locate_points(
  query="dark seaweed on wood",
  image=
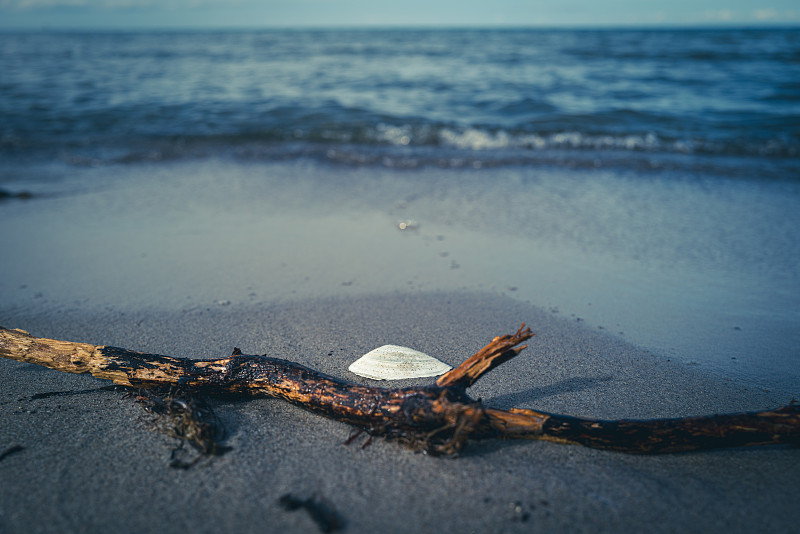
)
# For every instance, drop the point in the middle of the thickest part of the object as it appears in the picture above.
(439, 418)
(188, 418)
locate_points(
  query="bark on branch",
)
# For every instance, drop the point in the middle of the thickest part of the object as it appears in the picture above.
(439, 418)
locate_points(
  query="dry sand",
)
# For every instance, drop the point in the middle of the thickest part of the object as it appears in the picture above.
(89, 462)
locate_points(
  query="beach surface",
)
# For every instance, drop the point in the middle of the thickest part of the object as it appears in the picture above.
(649, 298)
(91, 462)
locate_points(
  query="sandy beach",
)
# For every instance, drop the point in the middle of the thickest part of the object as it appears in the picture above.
(90, 462)
(316, 270)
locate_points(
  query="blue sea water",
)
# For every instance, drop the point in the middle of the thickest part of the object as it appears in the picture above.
(725, 102)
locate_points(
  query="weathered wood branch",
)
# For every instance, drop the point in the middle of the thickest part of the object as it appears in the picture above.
(439, 418)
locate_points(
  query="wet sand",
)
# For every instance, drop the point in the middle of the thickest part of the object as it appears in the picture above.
(316, 270)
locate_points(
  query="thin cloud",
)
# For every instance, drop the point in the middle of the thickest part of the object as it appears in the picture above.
(23, 5)
(722, 15)
(765, 14)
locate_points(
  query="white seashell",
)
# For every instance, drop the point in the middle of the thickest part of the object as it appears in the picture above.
(392, 362)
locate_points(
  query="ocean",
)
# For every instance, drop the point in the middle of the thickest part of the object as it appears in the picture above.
(725, 102)
(646, 183)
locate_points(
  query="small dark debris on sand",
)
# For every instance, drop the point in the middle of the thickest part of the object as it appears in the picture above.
(22, 195)
(11, 450)
(322, 513)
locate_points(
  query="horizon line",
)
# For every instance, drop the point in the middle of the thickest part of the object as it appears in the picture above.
(422, 26)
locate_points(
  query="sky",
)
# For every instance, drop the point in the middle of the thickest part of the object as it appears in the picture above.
(121, 14)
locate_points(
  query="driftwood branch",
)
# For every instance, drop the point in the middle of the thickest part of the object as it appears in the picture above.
(439, 418)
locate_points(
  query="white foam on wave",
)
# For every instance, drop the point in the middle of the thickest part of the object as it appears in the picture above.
(477, 139)
(474, 139)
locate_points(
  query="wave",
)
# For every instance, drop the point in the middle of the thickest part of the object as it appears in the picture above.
(415, 136)
(525, 125)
